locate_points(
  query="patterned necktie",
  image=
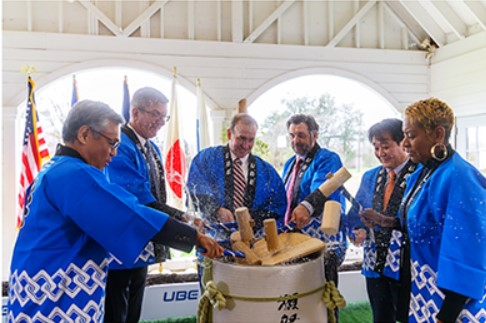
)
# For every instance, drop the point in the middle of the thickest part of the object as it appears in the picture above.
(389, 189)
(290, 188)
(154, 176)
(239, 184)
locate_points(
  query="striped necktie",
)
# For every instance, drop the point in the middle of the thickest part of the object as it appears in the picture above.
(239, 184)
(389, 189)
(290, 188)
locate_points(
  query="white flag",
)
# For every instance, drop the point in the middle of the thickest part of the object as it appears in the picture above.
(202, 128)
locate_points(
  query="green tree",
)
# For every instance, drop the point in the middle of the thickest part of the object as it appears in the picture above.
(340, 127)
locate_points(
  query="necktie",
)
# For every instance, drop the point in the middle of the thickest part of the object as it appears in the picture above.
(239, 184)
(290, 188)
(154, 176)
(389, 189)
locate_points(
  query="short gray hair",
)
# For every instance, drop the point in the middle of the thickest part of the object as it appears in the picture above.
(244, 118)
(147, 96)
(93, 114)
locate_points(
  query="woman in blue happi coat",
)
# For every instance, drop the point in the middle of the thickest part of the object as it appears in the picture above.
(445, 208)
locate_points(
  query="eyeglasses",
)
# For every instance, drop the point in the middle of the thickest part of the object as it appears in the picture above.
(156, 115)
(114, 143)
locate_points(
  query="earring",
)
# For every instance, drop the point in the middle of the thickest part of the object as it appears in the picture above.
(439, 152)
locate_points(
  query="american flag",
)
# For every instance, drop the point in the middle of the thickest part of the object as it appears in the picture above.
(34, 151)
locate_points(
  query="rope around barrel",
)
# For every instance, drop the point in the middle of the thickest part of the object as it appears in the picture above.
(331, 297)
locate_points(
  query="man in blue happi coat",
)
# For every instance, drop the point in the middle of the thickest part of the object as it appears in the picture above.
(138, 168)
(303, 173)
(215, 189)
(74, 218)
(382, 189)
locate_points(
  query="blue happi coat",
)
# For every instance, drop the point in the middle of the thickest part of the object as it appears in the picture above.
(61, 256)
(447, 230)
(129, 169)
(210, 183)
(370, 195)
(311, 175)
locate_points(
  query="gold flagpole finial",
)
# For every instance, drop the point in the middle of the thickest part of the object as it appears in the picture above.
(175, 71)
(28, 69)
(198, 82)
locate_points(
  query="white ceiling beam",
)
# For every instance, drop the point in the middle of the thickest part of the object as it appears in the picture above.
(357, 28)
(237, 21)
(250, 15)
(437, 10)
(425, 20)
(478, 12)
(100, 16)
(162, 22)
(351, 23)
(380, 17)
(305, 21)
(456, 24)
(191, 31)
(119, 13)
(403, 17)
(330, 20)
(60, 17)
(144, 25)
(405, 32)
(219, 23)
(149, 12)
(29, 15)
(269, 20)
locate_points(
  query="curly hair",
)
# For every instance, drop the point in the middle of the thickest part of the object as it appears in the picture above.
(431, 113)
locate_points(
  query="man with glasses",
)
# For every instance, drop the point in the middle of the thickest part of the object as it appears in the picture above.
(223, 178)
(303, 173)
(138, 168)
(69, 233)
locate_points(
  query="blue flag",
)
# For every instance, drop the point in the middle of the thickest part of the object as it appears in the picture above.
(126, 101)
(74, 96)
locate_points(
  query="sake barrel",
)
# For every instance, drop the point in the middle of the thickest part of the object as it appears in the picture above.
(261, 294)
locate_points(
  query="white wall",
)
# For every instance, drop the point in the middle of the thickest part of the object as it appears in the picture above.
(458, 76)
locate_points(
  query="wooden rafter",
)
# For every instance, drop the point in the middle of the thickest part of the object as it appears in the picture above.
(351, 23)
(269, 20)
(100, 16)
(144, 16)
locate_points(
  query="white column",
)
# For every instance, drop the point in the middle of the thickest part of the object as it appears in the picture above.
(9, 169)
(218, 120)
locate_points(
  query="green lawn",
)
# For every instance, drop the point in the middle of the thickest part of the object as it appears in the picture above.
(353, 313)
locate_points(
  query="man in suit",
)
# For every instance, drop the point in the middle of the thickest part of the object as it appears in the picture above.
(138, 168)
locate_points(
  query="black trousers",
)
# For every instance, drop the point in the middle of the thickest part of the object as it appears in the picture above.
(383, 293)
(124, 295)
